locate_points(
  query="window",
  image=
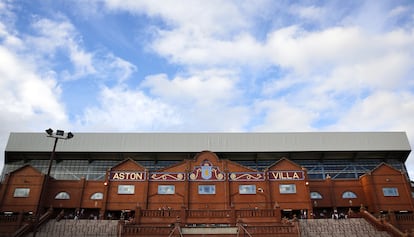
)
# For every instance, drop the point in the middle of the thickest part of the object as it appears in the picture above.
(287, 188)
(62, 196)
(206, 189)
(349, 194)
(126, 189)
(166, 189)
(97, 196)
(247, 189)
(315, 195)
(21, 192)
(390, 192)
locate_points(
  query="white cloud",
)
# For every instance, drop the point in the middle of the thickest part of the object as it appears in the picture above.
(128, 110)
(308, 12)
(192, 48)
(398, 10)
(201, 87)
(206, 100)
(382, 111)
(28, 102)
(26, 95)
(214, 16)
(201, 101)
(53, 37)
(283, 116)
(31, 83)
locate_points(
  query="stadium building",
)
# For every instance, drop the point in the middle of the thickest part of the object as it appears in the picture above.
(257, 184)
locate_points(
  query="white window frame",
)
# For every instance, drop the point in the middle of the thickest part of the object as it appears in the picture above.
(21, 192)
(97, 196)
(62, 196)
(166, 189)
(349, 195)
(316, 195)
(390, 192)
(126, 189)
(287, 188)
(247, 189)
(206, 189)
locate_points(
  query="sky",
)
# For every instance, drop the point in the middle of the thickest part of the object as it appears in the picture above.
(207, 66)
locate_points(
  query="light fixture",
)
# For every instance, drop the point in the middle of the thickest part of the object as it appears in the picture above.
(58, 135)
(70, 135)
(49, 131)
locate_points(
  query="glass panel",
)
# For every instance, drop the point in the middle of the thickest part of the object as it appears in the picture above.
(247, 189)
(287, 188)
(349, 194)
(315, 195)
(390, 192)
(97, 196)
(62, 195)
(206, 189)
(166, 189)
(21, 192)
(126, 189)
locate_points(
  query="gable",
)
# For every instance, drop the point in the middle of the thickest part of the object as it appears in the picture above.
(384, 168)
(26, 170)
(206, 155)
(284, 164)
(128, 164)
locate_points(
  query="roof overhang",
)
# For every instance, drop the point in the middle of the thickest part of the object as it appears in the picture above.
(381, 145)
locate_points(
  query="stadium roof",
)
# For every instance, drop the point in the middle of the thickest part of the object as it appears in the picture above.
(383, 144)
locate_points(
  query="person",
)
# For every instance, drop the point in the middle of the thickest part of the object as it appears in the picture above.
(335, 215)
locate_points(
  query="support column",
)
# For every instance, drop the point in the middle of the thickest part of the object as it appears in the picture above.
(137, 215)
(146, 188)
(105, 196)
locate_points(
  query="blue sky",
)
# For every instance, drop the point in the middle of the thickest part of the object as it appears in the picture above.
(206, 66)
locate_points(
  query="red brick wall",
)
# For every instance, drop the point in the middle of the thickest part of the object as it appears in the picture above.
(368, 190)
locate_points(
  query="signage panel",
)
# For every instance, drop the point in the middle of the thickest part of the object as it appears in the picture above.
(286, 175)
(127, 176)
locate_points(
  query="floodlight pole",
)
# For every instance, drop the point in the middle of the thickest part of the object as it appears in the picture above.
(46, 178)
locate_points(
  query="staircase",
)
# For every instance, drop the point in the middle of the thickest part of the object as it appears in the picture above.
(78, 228)
(357, 227)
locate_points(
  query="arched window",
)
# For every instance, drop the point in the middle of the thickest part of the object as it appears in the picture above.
(97, 196)
(62, 195)
(315, 195)
(349, 194)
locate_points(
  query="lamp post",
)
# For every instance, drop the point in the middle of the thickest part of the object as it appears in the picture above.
(59, 134)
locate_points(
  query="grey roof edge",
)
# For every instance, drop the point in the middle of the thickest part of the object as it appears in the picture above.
(216, 142)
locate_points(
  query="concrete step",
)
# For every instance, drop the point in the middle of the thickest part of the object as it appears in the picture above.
(79, 228)
(358, 227)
